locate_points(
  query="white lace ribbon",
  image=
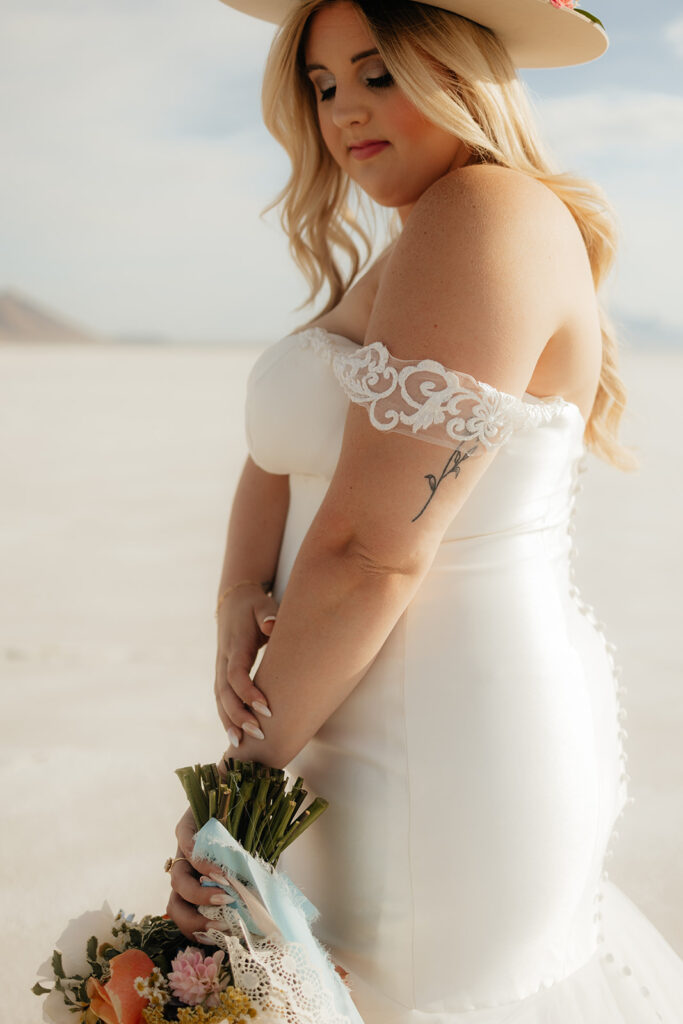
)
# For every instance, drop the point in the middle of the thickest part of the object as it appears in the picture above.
(277, 976)
(266, 932)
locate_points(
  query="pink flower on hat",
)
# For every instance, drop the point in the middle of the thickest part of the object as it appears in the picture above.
(563, 3)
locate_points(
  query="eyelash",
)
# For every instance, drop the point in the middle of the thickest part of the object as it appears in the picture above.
(381, 82)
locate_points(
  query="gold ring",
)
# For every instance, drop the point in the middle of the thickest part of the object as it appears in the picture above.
(171, 861)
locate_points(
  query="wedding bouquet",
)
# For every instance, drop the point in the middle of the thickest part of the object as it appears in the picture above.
(116, 970)
(266, 967)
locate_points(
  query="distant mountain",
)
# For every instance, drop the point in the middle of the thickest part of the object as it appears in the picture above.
(22, 319)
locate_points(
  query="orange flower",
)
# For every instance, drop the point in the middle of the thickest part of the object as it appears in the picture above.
(117, 1002)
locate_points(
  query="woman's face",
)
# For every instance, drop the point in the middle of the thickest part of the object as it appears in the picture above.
(370, 127)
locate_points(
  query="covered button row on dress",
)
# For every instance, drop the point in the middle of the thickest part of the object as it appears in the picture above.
(587, 610)
(625, 971)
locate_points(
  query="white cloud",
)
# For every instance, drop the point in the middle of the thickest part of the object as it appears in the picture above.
(673, 34)
(608, 120)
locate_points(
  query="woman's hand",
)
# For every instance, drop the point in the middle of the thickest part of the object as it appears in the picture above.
(188, 894)
(245, 621)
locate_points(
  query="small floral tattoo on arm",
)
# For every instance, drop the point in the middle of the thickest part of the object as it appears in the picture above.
(452, 467)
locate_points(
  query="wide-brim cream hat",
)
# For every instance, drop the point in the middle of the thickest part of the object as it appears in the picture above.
(536, 33)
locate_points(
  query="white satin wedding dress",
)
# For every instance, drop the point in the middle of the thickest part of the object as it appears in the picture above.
(476, 772)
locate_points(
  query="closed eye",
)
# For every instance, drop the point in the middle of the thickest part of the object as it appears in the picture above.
(379, 82)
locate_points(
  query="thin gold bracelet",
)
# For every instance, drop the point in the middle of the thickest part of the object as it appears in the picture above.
(229, 590)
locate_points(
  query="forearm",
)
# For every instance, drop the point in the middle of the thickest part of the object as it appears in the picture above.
(257, 522)
(334, 617)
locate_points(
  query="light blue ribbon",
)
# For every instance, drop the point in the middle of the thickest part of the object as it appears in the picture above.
(291, 912)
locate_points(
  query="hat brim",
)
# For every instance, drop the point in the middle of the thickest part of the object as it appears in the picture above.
(535, 33)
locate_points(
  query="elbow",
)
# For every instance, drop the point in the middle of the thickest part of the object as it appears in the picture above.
(367, 562)
(373, 552)
(372, 557)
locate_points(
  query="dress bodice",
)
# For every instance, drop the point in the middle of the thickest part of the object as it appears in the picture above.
(295, 414)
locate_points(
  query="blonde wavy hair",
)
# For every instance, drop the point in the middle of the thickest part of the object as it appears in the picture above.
(459, 75)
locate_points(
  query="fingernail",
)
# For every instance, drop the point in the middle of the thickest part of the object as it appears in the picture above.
(253, 730)
(220, 899)
(221, 879)
(233, 736)
(259, 706)
(269, 618)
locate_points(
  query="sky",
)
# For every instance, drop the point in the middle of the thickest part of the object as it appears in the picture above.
(135, 166)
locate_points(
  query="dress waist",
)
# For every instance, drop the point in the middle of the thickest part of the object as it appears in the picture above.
(538, 529)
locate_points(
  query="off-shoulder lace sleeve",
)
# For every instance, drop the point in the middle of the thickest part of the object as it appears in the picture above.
(425, 399)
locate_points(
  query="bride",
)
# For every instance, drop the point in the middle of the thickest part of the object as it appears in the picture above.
(401, 533)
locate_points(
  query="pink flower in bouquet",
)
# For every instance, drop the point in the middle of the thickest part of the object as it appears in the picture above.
(195, 978)
(117, 1002)
(563, 3)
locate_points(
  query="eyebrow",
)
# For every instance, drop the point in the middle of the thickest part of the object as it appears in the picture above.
(354, 60)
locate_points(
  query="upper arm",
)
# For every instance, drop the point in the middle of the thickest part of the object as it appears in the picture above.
(472, 283)
(473, 279)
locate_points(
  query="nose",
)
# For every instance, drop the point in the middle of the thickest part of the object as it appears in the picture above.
(349, 109)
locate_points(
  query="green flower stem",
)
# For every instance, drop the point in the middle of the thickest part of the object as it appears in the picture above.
(281, 823)
(302, 823)
(197, 800)
(251, 801)
(255, 813)
(243, 797)
(258, 838)
(224, 805)
(267, 834)
(299, 799)
(278, 826)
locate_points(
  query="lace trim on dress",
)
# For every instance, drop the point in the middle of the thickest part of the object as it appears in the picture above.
(425, 398)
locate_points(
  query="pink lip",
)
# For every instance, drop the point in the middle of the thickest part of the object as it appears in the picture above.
(364, 150)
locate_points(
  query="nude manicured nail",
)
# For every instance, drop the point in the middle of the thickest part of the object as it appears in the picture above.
(262, 708)
(221, 879)
(220, 899)
(233, 737)
(253, 730)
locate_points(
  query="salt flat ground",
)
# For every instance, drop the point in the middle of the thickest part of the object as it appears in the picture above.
(117, 466)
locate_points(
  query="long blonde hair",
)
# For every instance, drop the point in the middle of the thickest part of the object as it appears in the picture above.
(459, 75)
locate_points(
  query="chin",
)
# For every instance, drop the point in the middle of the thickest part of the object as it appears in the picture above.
(389, 196)
(395, 195)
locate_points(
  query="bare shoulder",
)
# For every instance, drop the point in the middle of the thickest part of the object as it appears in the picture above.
(481, 276)
(490, 202)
